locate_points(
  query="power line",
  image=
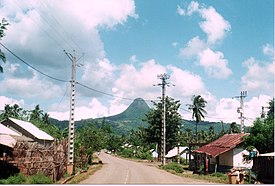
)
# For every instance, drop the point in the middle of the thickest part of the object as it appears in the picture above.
(111, 95)
(59, 24)
(51, 77)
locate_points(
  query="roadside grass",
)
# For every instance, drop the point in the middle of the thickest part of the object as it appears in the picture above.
(179, 170)
(84, 175)
(214, 177)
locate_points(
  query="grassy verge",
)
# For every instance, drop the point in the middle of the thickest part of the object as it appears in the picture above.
(84, 175)
(214, 177)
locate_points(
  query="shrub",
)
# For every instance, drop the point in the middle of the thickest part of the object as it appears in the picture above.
(17, 179)
(144, 155)
(126, 153)
(174, 166)
(39, 178)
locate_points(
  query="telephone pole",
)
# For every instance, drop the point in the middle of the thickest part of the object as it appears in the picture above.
(240, 109)
(70, 156)
(163, 78)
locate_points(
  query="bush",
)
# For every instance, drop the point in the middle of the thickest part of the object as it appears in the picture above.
(39, 178)
(144, 155)
(126, 153)
(174, 166)
(17, 179)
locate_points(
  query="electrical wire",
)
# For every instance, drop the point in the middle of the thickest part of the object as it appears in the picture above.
(46, 6)
(23, 61)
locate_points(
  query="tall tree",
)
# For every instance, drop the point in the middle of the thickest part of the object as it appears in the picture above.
(262, 132)
(3, 26)
(173, 123)
(36, 114)
(197, 107)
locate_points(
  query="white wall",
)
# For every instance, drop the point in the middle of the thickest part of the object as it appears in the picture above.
(238, 158)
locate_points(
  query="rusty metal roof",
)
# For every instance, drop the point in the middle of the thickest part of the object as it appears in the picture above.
(221, 145)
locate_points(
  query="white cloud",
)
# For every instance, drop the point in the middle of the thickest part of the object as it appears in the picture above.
(93, 109)
(135, 82)
(192, 7)
(10, 101)
(214, 63)
(180, 11)
(214, 25)
(186, 83)
(16, 84)
(259, 77)
(133, 59)
(193, 48)
(100, 12)
(268, 50)
(225, 109)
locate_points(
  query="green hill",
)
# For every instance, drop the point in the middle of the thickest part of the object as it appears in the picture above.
(132, 118)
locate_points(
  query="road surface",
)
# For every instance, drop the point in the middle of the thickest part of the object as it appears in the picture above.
(121, 171)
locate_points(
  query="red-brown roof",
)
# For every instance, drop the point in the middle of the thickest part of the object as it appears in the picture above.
(221, 145)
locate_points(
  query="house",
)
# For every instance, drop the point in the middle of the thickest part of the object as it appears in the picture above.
(154, 153)
(173, 153)
(223, 154)
(26, 131)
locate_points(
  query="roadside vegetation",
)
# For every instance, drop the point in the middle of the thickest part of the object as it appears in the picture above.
(39, 178)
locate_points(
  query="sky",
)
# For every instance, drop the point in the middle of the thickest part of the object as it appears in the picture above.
(215, 49)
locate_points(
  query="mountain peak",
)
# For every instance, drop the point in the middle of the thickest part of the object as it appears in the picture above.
(136, 110)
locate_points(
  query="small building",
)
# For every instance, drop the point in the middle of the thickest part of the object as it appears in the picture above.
(27, 130)
(223, 154)
(173, 153)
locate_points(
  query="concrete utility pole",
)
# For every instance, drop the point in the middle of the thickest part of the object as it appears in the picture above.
(163, 83)
(70, 156)
(241, 109)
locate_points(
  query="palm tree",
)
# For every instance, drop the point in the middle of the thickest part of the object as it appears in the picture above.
(36, 114)
(45, 118)
(197, 108)
(16, 111)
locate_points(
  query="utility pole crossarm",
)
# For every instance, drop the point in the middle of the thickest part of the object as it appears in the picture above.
(240, 109)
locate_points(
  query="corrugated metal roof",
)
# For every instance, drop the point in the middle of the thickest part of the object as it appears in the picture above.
(36, 132)
(221, 145)
(6, 130)
(174, 152)
(7, 140)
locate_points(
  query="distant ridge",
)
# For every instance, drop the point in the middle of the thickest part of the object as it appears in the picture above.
(132, 118)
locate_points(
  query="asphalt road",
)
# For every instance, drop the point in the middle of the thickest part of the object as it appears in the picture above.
(121, 171)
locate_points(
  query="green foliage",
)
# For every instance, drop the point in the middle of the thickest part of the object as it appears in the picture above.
(197, 108)
(126, 153)
(39, 178)
(220, 175)
(261, 136)
(262, 133)
(174, 166)
(173, 123)
(144, 155)
(37, 117)
(17, 179)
